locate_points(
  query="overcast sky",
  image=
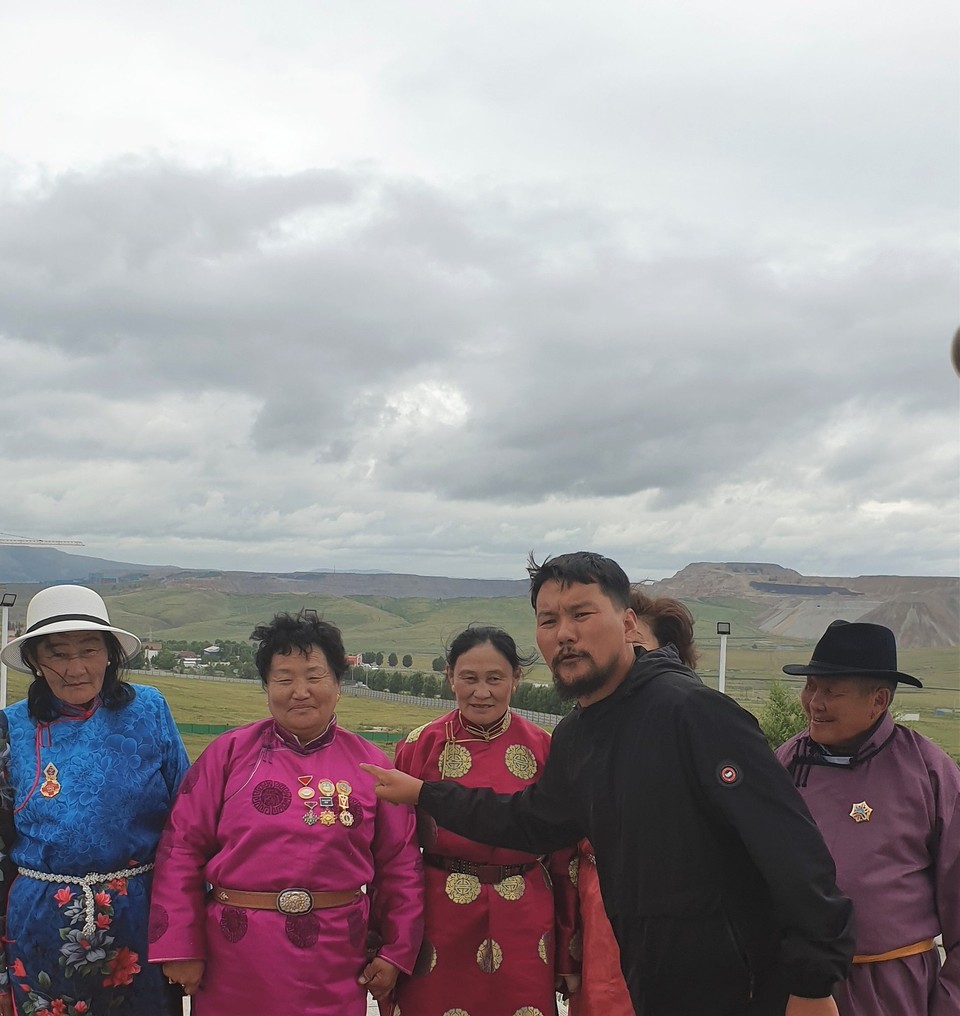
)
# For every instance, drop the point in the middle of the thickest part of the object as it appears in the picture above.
(420, 286)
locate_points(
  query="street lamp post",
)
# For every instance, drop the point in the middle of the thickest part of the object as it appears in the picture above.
(723, 630)
(7, 600)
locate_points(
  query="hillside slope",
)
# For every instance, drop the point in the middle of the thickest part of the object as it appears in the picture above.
(921, 611)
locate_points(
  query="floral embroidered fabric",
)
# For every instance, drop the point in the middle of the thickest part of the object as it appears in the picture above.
(117, 773)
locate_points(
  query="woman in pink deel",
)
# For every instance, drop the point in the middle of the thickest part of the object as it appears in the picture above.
(285, 827)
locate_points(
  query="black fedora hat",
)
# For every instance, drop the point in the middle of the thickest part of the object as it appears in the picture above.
(849, 649)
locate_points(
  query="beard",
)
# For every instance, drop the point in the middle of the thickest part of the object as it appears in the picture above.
(586, 684)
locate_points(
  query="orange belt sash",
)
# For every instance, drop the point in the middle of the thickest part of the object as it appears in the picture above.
(896, 954)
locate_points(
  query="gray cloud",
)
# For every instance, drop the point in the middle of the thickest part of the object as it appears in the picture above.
(682, 291)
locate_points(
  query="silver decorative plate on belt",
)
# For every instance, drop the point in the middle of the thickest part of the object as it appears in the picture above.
(294, 901)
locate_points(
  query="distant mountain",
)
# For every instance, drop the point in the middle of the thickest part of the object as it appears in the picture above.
(37, 566)
(922, 611)
(44, 565)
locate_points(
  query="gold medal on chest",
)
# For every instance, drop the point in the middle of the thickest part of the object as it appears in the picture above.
(50, 787)
(861, 812)
(306, 792)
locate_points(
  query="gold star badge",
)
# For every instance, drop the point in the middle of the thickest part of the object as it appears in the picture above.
(861, 812)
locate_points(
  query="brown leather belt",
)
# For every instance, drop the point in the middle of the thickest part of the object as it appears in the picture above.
(287, 901)
(489, 874)
(897, 954)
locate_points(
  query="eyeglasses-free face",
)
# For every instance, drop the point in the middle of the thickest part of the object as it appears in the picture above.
(74, 665)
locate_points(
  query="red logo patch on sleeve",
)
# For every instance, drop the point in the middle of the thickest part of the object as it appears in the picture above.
(728, 774)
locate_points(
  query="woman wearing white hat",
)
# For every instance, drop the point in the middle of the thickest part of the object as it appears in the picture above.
(89, 766)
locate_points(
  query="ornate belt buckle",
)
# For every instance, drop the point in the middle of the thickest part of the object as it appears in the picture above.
(294, 901)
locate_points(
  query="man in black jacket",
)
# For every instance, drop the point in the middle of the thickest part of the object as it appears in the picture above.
(718, 885)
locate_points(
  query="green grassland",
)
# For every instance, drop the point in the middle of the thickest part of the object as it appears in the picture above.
(233, 703)
(417, 626)
(422, 627)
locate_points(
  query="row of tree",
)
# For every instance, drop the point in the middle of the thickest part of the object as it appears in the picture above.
(391, 659)
(236, 658)
(536, 697)
(781, 716)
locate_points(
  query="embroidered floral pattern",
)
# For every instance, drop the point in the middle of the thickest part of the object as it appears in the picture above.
(271, 797)
(233, 924)
(159, 922)
(302, 930)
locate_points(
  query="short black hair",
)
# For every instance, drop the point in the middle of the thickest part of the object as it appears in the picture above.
(287, 634)
(580, 566)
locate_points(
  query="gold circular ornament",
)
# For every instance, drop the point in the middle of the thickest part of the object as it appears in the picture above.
(346, 818)
(326, 788)
(489, 956)
(456, 1012)
(455, 761)
(327, 817)
(415, 733)
(343, 787)
(462, 888)
(528, 1010)
(543, 948)
(573, 870)
(306, 793)
(520, 761)
(511, 888)
(426, 960)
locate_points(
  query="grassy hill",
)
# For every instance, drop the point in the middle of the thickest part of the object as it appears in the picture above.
(422, 627)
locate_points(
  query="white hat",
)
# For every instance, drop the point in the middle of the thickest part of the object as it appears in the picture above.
(65, 608)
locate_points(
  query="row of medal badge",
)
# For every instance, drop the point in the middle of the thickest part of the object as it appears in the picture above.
(324, 795)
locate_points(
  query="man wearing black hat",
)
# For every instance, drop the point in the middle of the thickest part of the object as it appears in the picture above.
(887, 801)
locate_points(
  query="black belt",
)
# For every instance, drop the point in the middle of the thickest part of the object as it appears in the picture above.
(487, 873)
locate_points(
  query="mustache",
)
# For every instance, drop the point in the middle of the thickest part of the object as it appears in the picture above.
(563, 654)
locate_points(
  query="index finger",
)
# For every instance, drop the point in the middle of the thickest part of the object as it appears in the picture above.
(394, 786)
(375, 771)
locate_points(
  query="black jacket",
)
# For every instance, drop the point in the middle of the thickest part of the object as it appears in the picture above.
(716, 880)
